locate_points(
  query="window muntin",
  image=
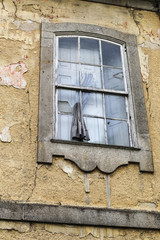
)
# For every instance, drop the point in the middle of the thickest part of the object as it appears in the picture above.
(91, 71)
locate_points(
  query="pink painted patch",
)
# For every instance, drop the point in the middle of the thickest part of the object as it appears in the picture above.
(12, 75)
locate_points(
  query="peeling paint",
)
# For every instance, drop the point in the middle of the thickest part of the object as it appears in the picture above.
(144, 67)
(12, 75)
(153, 38)
(150, 45)
(63, 182)
(5, 136)
(17, 226)
(67, 169)
(26, 26)
(147, 205)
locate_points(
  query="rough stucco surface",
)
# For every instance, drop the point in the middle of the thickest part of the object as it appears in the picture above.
(25, 231)
(63, 183)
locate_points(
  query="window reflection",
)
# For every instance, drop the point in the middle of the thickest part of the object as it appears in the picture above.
(89, 51)
(111, 54)
(68, 49)
(113, 79)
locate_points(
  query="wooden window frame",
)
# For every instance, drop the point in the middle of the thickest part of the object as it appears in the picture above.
(125, 93)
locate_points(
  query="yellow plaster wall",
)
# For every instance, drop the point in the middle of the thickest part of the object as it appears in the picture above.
(26, 231)
(63, 182)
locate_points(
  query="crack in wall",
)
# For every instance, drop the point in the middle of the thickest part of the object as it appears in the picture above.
(132, 14)
(34, 183)
(10, 10)
(15, 14)
(30, 118)
(3, 7)
(36, 170)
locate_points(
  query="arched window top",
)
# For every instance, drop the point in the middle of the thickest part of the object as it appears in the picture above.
(90, 50)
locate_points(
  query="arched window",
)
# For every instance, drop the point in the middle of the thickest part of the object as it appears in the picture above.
(91, 103)
(92, 91)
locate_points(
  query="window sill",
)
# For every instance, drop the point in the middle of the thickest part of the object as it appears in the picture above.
(89, 156)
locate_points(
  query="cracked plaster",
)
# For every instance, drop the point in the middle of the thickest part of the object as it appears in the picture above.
(5, 136)
(10, 230)
(21, 180)
(112, 21)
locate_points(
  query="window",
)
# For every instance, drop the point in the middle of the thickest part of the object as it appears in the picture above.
(92, 91)
(91, 104)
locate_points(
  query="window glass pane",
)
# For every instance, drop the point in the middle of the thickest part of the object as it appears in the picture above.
(92, 104)
(117, 133)
(68, 49)
(95, 128)
(115, 106)
(89, 51)
(113, 79)
(111, 54)
(91, 76)
(66, 100)
(64, 127)
(68, 74)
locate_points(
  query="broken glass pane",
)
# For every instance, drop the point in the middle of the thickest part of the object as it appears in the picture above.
(67, 100)
(117, 133)
(111, 54)
(68, 74)
(115, 106)
(89, 51)
(91, 76)
(68, 49)
(113, 79)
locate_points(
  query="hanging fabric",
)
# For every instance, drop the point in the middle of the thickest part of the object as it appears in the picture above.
(79, 130)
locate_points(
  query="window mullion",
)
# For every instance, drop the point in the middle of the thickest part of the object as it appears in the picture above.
(103, 98)
(55, 126)
(80, 74)
(104, 115)
(122, 48)
(124, 66)
(128, 120)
